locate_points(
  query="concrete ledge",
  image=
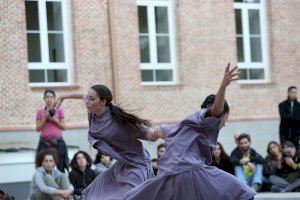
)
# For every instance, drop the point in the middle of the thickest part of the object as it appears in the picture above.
(278, 196)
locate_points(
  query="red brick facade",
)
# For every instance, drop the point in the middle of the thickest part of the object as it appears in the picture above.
(105, 49)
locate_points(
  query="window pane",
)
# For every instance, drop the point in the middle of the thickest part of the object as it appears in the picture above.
(34, 48)
(144, 49)
(56, 48)
(161, 20)
(163, 49)
(256, 54)
(57, 75)
(36, 76)
(164, 75)
(243, 74)
(54, 16)
(254, 24)
(252, 1)
(240, 49)
(257, 74)
(147, 75)
(247, 1)
(143, 20)
(32, 15)
(238, 21)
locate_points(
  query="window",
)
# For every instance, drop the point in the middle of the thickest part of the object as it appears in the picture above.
(156, 35)
(48, 42)
(251, 39)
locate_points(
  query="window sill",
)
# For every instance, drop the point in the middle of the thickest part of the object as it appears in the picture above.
(254, 82)
(56, 87)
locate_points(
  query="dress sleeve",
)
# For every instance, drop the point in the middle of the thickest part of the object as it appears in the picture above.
(168, 129)
(206, 121)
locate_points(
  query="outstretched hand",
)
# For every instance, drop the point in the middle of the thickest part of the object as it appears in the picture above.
(230, 75)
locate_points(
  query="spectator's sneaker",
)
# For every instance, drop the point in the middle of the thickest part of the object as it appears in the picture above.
(256, 187)
(276, 188)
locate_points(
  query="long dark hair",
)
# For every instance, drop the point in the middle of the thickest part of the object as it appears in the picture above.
(268, 150)
(98, 158)
(223, 153)
(118, 113)
(74, 164)
(209, 101)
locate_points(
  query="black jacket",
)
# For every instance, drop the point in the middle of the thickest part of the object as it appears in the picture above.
(237, 155)
(224, 165)
(81, 180)
(286, 169)
(288, 119)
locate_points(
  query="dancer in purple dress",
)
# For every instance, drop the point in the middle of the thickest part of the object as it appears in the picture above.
(184, 171)
(115, 133)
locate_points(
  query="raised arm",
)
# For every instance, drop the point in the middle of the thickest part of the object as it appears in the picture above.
(60, 99)
(229, 76)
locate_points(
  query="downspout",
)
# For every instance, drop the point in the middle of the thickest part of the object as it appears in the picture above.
(112, 49)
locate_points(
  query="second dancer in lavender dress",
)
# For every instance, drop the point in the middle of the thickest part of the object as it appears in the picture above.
(116, 133)
(184, 170)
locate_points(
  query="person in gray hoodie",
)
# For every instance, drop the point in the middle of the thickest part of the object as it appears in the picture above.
(48, 182)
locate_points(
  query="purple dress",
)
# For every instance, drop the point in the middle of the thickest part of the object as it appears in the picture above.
(184, 171)
(133, 165)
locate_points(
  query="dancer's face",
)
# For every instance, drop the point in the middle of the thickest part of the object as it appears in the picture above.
(48, 163)
(223, 120)
(94, 104)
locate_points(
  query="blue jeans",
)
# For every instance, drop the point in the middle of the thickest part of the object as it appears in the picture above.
(249, 180)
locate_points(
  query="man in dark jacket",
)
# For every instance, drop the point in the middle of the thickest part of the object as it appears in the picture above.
(247, 163)
(289, 111)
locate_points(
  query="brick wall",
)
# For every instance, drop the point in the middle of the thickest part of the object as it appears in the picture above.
(105, 49)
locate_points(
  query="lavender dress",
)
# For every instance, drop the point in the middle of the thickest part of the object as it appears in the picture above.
(133, 165)
(185, 171)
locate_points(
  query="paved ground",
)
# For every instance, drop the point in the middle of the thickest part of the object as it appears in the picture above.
(278, 196)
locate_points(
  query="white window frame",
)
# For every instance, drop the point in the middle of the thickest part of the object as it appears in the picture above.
(154, 65)
(247, 64)
(45, 64)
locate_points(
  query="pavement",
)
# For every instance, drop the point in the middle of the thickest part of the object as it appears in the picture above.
(278, 196)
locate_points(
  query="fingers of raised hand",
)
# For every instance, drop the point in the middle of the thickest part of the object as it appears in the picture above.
(232, 70)
(227, 67)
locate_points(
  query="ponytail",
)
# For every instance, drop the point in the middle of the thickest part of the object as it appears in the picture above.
(119, 114)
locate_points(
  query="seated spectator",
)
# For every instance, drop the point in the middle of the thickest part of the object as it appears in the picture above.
(160, 151)
(287, 175)
(236, 136)
(273, 161)
(247, 163)
(48, 182)
(5, 196)
(221, 160)
(102, 163)
(82, 174)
